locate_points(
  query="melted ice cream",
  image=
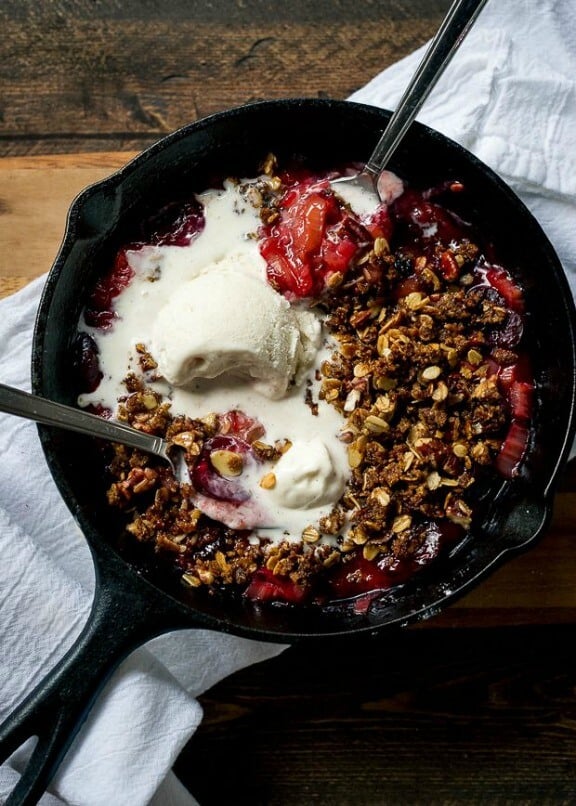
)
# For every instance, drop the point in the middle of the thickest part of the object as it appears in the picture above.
(224, 340)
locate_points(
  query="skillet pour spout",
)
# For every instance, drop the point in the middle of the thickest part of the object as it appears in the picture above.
(234, 143)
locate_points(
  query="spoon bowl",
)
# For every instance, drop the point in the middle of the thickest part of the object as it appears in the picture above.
(458, 21)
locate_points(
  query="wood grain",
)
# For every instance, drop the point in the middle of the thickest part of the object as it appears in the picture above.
(438, 717)
(35, 194)
(103, 76)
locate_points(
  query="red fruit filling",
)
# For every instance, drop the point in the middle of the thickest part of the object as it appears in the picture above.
(358, 575)
(513, 449)
(240, 425)
(266, 587)
(512, 294)
(99, 310)
(424, 222)
(314, 238)
(208, 480)
(176, 224)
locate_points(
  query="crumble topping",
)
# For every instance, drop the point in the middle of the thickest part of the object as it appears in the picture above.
(423, 342)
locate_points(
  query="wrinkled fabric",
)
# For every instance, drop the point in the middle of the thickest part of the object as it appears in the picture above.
(148, 710)
(509, 97)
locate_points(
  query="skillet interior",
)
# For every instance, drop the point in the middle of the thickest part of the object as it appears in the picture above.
(330, 132)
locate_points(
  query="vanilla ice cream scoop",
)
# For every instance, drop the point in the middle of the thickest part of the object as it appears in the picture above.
(228, 322)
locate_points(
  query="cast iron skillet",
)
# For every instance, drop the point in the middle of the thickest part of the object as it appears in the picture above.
(135, 598)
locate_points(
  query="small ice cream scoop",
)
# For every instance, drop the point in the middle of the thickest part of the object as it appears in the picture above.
(307, 477)
(227, 323)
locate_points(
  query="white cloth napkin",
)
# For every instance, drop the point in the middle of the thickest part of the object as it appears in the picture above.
(148, 710)
(508, 96)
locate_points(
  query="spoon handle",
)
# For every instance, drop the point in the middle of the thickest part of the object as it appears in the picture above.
(454, 28)
(32, 407)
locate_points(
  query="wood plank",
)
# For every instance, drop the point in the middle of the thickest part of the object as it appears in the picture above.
(35, 194)
(440, 717)
(536, 586)
(123, 74)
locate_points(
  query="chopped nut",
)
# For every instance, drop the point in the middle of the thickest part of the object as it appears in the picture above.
(356, 452)
(415, 300)
(433, 480)
(458, 511)
(376, 425)
(440, 393)
(221, 560)
(149, 401)
(268, 482)
(383, 345)
(335, 280)
(362, 370)
(227, 463)
(386, 406)
(370, 551)
(331, 524)
(186, 440)
(381, 247)
(211, 423)
(206, 576)
(352, 400)
(270, 165)
(331, 559)
(164, 542)
(474, 357)
(381, 496)
(446, 482)
(283, 446)
(191, 580)
(358, 536)
(385, 383)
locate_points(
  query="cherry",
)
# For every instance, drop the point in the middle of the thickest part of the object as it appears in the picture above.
(86, 362)
(206, 479)
(176, 224)
(99, 310)
(426, 221)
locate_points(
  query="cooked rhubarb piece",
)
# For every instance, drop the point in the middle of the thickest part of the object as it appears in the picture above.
(314, 239)
(99, 311)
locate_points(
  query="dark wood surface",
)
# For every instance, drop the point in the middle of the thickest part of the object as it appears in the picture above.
(478, 705)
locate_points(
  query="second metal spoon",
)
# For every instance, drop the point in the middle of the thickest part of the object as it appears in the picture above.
(47, 412)
(455, 26)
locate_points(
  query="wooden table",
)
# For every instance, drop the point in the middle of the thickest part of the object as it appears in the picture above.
(476, 705)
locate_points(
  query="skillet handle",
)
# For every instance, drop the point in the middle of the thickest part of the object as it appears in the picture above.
(126, 612)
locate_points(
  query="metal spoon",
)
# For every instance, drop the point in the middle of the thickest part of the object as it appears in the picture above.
(47, 412)
(32, 407)
(456, 24)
